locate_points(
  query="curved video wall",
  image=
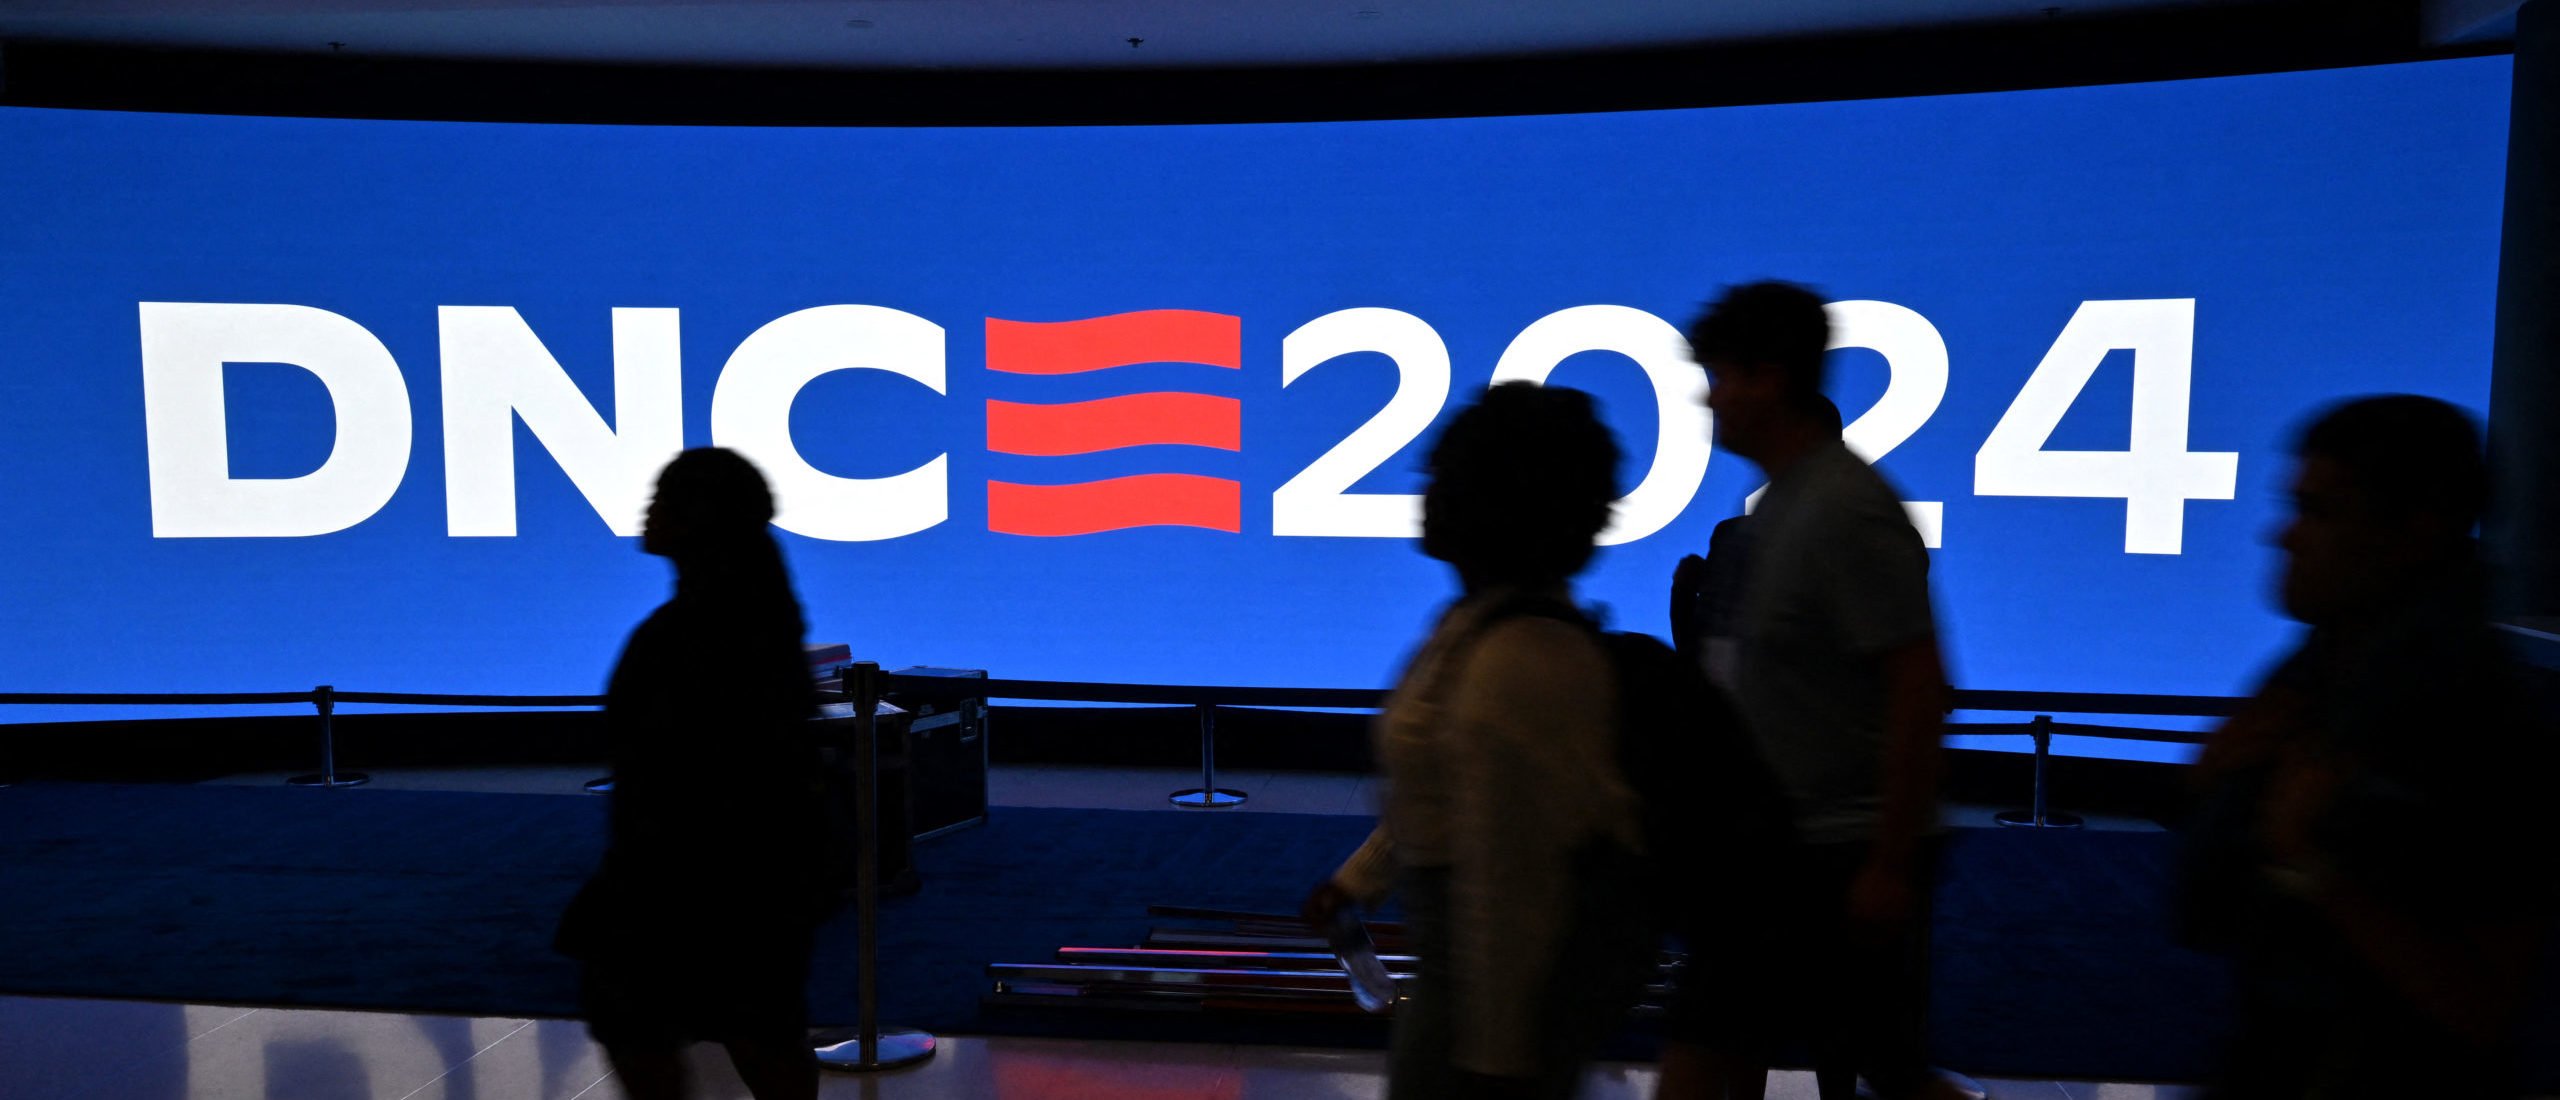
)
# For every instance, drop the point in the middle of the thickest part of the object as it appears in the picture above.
(289, 401)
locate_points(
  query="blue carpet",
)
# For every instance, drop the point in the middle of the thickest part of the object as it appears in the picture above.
(2051, 957)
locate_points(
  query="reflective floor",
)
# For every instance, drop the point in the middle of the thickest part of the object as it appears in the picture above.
(61, 1049)
(128, 1050)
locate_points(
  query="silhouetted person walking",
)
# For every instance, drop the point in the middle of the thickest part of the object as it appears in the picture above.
(2374, 849)
(697, 926)
(1837, 675)
(1507, 827)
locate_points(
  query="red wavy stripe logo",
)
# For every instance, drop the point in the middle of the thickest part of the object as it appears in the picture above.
(1134, 420)
(1098, 343)
(1113, 504)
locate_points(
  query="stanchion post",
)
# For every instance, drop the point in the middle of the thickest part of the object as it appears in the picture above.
(872, 1047)
(1208, 795)
(2039, 817)
(325, 698)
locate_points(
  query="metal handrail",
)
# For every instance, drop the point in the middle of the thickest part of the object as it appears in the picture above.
(1204, 699)
(312, 697)
(325, 699)
(157, 698)
(942, 687)
(1190, 695)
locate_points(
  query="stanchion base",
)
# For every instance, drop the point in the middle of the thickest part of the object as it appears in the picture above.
(342, 779)
(1197, 799)
(840, 1048)
(599, 786)
(2026, 819)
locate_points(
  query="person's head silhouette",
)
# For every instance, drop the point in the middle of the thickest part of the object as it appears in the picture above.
(1521, 483)
(2385, 493)
(708, 499)
(1762, 345)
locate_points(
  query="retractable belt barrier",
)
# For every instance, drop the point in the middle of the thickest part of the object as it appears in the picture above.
(324, 699)
(1205, 700)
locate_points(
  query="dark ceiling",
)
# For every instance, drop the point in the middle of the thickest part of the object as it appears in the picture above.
(1055, 61)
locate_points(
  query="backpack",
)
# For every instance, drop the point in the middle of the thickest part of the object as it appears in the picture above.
(1711, 810)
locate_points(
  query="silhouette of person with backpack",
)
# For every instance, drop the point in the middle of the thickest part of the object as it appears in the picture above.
(1706, 593)
(1507, 828)
(698, 925)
